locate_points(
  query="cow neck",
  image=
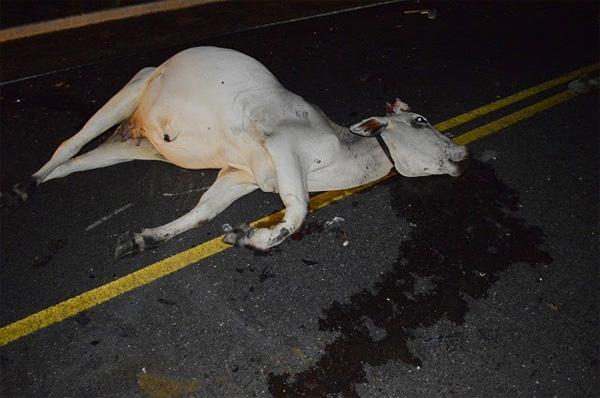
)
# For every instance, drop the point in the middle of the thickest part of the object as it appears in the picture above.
(385, 148)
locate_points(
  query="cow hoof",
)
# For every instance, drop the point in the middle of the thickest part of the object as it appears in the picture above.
(18, 194)
(126, 245)
(238, 235)
(130, 243)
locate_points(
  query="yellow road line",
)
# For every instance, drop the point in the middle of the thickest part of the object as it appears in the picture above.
(101, 294)
(91, 298)
(96, 17)
(501, 103)
(513, 118)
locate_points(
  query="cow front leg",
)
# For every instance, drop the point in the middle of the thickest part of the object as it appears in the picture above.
(263, 239)
(229, 186)
(292, 190)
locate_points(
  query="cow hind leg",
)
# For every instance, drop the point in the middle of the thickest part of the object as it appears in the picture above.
(118, 108)
(107, 154)
(229, 186)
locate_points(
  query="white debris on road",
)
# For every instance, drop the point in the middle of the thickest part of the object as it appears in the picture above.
(114, 213)
(584, 85)
(186, 192)
(487, 155)
(334, 222)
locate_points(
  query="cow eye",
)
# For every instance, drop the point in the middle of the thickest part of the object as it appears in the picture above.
(421, 120)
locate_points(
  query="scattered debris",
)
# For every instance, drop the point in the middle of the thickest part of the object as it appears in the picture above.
(487, 155)
(552, 307)
(166, 302)
(431, 14)
(103, 219)
(266, 274)
(335, 222)
(308, 228)
(584, 85)
(226, 228)
(341, 235)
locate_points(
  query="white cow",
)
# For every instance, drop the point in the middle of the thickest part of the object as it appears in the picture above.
(214, 108)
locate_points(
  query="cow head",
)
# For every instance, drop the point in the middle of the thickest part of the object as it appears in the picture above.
(416, 147)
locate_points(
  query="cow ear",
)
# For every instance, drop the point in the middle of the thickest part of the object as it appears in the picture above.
(369, 127)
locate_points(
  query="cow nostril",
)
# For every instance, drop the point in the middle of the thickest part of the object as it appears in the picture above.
(460, 166)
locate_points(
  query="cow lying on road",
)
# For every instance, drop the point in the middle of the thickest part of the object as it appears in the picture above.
(213, 108)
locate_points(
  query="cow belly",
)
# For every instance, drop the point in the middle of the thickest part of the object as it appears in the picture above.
(188, 151)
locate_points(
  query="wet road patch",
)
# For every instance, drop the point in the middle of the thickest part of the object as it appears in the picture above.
(464, 233)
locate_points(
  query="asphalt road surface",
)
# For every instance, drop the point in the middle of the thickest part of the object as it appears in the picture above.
(484, 285)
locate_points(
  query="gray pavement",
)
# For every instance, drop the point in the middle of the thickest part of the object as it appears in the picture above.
(484, 285)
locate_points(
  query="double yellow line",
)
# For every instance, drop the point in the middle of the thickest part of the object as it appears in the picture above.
(101, 294)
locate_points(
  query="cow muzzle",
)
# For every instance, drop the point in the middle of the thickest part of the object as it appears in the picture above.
(458, 168)
(459, 161)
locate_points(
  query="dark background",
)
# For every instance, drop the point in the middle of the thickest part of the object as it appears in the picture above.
(484, 285)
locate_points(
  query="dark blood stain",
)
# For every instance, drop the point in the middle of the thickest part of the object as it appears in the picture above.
(95, 342)
(239, 270)
(54, 247)
(308, 228)
(166, 302)
(265, 274)
(309, 262)
(266, 253)
(468, 234)
(261, 253)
